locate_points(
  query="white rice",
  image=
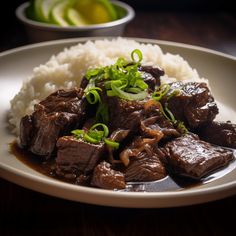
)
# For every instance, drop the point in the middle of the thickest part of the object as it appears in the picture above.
(66, 69)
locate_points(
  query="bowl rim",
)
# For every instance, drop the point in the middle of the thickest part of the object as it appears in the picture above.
(20, 14)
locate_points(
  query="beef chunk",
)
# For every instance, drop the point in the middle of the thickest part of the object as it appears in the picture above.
(84, 83)
(64, 101)
(47, 128)
(194, 104)
(220, 133)
(189, 156)
(124, 114)
(141, 158)
(26, 128)
(146, 166)
(134, 116)
(151, 76)
(154, 123)
(76, 154)
(53, 117)
(107, 178)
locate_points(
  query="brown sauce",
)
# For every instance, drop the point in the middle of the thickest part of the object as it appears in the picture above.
(170, 183)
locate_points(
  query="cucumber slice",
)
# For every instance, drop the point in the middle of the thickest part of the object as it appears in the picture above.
(45, 9)
(37, 10)
(57, 15)
(109, 9)
(97, 11)
(75, 18)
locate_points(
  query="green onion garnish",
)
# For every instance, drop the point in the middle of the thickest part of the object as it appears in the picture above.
(93, 96)
(89, 139)
(170, 114)
(104, 127)
(138, 53)
(164, 92)
(123, 79)
(79, 133)
(93, 72)
(112, 144)
(182, 127)
(95, 135)
(128, 96)
(161, 92)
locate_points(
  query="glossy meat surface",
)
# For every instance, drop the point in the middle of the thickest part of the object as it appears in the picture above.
(77, 154)
(189, 156)
(53, 117)
(193, 104)
(219, 133)
(105, 177)
(151, 76)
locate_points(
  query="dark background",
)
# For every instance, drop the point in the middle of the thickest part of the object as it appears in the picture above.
(206, 13)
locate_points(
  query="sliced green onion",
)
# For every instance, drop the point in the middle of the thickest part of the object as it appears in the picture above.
(118, 83)
(138, 53)
(93, 72)
(163, 112)
(182, 127)
(170, 114)
(112, 144)
(110, 93)
(141, 84)
(95, 136)
(93, 96)
(104, 127)
(163, 90)
(128, 96)
(90, 139)
(121, 62)
(133, 90)
(78, 133)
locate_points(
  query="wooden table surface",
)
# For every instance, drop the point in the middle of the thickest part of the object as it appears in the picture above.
(25, 212)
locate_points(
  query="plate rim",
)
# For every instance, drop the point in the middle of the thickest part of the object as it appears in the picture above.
(88, 190)
(139, 39)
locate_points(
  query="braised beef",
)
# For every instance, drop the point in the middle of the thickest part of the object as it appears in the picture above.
(136, 146)
(139, 116)
(189, 156)
(26, 128)
(141, 158)
(107, 178)
(151, 142)
(219, 133)
(78, 155)
(151, 75)
(124, 114)
(154, 124)
(193, 104)
(64, 101)
(47, 129)
(84, 83)
(146, 166)
(53, 117)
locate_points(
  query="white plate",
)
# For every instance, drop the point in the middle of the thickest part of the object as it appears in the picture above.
(17, 64)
